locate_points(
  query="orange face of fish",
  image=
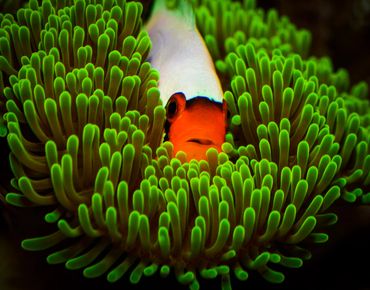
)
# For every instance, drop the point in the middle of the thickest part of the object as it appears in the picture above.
(196, 125)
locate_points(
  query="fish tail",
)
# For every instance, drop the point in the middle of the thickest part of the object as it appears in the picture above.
(180, 8)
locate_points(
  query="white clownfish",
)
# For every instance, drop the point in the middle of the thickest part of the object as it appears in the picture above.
(190, 88)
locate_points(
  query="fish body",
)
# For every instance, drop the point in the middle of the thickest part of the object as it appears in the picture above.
(189, 85)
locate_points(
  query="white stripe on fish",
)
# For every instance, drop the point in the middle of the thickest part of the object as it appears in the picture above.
(180, 54)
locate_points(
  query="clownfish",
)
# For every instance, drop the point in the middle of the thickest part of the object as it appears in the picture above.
(189, 86)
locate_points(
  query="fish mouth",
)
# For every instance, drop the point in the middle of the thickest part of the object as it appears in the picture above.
(201, 141)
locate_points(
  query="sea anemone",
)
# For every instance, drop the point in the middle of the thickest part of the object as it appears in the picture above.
(84, 124)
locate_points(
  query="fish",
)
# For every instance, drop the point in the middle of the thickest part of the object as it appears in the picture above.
(189, 86)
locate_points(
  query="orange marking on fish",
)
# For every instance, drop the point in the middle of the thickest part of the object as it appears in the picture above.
(195, 125)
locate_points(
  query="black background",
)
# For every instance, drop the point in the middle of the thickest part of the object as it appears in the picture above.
(340, 29)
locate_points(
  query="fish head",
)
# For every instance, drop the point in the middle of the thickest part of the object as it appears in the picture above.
(195, 125)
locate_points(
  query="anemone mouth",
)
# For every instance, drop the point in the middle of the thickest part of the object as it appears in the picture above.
(201, 141)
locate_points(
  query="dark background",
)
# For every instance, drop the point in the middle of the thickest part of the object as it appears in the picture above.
(341, 30)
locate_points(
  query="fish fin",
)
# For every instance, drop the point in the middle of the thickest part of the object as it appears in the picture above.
(180, 8)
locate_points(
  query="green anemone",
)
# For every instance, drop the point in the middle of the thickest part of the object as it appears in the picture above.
(85, 124)
(226, 24)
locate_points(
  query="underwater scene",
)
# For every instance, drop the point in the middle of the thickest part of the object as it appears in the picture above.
(184, 144)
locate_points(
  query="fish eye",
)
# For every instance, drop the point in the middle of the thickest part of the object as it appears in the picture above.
(175, 106)
(172, 109)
